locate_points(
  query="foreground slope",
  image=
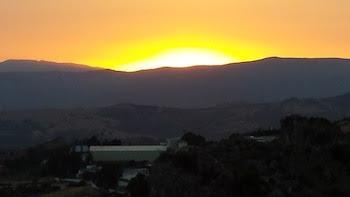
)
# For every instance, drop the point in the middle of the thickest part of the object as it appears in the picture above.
(309, 157)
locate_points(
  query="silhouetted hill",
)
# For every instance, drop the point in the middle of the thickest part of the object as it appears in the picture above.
(28, 127)
(41, 66)
(267, 80)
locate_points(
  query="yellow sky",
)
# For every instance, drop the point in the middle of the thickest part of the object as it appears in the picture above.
(134, 34)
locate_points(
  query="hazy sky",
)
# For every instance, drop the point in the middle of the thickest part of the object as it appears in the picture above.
(131, 34)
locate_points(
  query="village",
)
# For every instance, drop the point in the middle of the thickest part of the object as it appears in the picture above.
(190, 165)
(103, 169)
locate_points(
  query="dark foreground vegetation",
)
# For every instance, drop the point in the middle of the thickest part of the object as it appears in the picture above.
(305, 157)
(310, 157)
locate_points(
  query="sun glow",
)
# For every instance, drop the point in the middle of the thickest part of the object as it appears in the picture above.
(182, 57)
(151, 33)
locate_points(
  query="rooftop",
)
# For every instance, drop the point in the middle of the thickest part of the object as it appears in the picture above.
(128, 148)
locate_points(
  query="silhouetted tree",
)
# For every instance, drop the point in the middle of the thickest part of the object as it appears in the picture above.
(138, 186)
(193, 139)
(108, 176)
(300, 130)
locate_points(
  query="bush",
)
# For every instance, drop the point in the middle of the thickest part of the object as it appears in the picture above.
(193, 139)
(138, 186)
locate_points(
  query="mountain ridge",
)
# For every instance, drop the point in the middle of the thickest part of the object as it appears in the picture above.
(193, 67)
(134, 121)
(268, 80)
(26, 65)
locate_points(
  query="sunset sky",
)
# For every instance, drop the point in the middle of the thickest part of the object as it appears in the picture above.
(139, 34)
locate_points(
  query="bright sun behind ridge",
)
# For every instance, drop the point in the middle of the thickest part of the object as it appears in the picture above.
(182, 57)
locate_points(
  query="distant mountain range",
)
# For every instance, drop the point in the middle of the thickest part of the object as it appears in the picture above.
(41, 66)
(37, 84)
(28, 127)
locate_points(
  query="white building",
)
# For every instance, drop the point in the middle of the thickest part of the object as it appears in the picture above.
(126, 153)
(81, 148)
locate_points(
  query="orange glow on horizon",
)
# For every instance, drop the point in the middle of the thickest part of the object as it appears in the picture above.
(140, 34)
(180, 58)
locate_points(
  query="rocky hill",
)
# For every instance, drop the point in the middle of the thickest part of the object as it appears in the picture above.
(25, 127)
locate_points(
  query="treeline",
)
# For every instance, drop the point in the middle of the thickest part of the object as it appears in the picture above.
(309, 157)
(53, 158)
(96, 141)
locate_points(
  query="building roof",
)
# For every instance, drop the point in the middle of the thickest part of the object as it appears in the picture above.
(126, 153)
(128, 148)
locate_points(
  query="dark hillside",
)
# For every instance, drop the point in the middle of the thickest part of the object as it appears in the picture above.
(267, 80)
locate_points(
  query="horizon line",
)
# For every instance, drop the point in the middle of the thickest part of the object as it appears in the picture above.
(169, 67)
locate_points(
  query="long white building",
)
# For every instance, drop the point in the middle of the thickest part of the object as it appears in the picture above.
(126, 153)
